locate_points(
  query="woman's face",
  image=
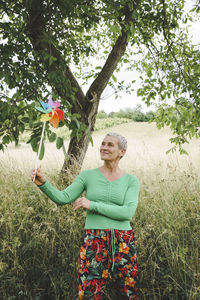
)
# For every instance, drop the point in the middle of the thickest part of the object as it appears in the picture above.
(110, 150)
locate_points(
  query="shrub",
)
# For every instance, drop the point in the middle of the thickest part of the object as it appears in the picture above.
(102, 114)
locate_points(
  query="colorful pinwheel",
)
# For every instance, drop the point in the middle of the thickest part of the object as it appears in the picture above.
(51, 112)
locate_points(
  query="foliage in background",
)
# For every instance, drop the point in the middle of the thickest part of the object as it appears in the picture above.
(135, 114)
(109, 122)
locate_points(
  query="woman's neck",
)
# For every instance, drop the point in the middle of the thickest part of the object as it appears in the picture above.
(110, 167)
(111, 171)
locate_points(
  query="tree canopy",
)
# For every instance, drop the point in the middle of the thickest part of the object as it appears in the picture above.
(58, 46)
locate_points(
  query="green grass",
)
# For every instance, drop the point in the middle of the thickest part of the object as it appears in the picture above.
(39, 241)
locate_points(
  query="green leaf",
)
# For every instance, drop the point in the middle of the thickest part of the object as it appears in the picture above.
(149, 72)
(168, 151)
(51, 59)
(59, 142)
(6, 139)
(114, 78)
(52, 137)
(115, 28)
(35, 143)
(42, 151)
(21, 127)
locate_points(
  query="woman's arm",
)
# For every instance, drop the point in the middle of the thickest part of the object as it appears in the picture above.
(68, 195)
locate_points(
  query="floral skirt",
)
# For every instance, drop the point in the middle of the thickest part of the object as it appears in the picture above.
(107, 253)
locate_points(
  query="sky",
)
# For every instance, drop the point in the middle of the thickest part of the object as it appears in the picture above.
(109, 103)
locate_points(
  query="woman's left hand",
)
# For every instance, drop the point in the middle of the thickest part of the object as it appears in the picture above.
(82, 202)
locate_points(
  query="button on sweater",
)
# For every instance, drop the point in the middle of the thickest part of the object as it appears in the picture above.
(112, 204)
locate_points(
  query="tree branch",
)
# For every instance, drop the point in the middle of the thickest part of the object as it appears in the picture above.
(114, 57)
(104, 76)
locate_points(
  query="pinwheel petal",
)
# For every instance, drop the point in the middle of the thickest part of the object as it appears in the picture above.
(60, 114)
(40, 109)
(54, 120)
(46, 106)
(56, 104)
(43, 110)
(45, 118)
(52, 104)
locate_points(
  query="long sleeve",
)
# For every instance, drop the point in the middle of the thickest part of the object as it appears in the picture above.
(68, 195)
(120, 212)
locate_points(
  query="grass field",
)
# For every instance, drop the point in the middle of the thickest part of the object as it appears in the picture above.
(40, 241)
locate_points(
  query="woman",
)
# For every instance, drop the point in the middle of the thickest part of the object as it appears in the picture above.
(108, 246)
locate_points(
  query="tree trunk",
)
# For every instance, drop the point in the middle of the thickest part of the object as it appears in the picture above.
(78, 147)
(74, 158)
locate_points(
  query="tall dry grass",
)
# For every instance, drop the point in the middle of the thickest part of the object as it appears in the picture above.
(40, 241)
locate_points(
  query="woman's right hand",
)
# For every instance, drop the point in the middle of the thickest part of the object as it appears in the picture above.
(38, 177)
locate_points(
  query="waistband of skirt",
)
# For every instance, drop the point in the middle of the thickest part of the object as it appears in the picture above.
(101, 232)
(109, 229)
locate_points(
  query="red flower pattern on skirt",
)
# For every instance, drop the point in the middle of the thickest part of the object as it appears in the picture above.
(96, 261)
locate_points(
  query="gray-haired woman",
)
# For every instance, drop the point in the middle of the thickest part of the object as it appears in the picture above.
(108, 247)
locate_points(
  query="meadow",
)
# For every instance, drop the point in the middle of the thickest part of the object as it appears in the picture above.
(40, 241)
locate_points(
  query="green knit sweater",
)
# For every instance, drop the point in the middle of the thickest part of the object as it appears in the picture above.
(112, 205)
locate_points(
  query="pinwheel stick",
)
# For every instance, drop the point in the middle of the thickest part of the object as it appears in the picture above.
(39, 149)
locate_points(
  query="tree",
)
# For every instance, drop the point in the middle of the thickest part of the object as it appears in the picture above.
(48, 45)
(102, 114)
(172, 79)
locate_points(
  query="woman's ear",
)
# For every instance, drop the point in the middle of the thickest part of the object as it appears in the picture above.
(123, 151)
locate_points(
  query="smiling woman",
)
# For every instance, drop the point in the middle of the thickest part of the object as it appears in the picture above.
(113, 143)
(108, 247)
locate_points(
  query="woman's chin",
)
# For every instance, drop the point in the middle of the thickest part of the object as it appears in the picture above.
(105, 158)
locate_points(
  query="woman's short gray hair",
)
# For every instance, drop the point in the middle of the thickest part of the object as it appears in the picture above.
(122, 142)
